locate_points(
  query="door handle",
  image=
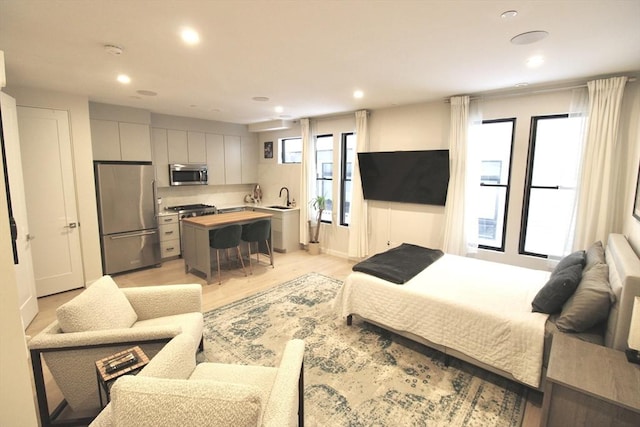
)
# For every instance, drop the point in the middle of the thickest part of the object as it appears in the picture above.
(71, 225)
(29, 237)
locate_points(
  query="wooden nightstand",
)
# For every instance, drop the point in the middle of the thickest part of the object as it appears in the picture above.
(590, 385)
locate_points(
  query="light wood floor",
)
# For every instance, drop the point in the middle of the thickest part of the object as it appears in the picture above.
(236, 286)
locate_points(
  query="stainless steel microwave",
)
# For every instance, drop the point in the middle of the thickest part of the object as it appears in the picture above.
(188, 174)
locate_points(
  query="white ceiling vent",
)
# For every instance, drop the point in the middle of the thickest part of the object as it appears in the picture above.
(270, 125)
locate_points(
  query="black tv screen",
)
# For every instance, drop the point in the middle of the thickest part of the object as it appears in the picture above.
(405, 176)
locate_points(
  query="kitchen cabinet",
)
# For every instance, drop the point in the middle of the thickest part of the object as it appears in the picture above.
(177, 146)
(215, 158)
(285, 228)
(249, 160)
(160, 156)
(232, 159)
(169, 226)
(112, 140)
(196, 147)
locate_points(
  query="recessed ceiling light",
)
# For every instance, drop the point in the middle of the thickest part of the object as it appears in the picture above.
(535, 61)
(529, 37)
(124, 79)
(509, 14)
(260, 98)
(190, 36)
(147, 92)
(358, 94)
(279, 109)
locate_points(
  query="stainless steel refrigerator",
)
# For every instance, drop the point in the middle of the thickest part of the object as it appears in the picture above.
(127, 215)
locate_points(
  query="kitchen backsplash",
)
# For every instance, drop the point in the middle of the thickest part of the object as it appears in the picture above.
(228, 195)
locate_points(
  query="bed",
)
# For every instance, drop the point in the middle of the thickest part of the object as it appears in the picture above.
(480, 311)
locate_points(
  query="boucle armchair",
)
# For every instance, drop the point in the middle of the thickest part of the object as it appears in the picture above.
(173, 391)
(104, 320)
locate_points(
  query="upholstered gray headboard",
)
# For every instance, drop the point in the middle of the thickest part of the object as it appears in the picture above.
(624, 276)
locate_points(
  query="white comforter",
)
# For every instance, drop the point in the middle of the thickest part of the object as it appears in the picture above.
(480, 308)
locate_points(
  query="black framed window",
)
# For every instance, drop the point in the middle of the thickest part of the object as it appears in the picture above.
(291, 150)
(553, 168)
(324, 173)
(494, 153)
(348, 152)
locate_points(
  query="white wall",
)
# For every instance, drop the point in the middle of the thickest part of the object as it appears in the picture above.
(78, 109)
(426, 127)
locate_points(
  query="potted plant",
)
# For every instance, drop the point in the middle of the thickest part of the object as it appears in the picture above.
(318, 203)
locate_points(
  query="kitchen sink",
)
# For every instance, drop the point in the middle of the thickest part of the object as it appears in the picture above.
(279, 207)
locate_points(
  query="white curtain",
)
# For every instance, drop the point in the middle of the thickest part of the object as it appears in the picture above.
(599, 199)
(578, 114)
(306, 192)
(461, 225)
(359, 221)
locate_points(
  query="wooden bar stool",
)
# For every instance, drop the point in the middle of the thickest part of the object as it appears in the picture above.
(225, 238)
(256, 232)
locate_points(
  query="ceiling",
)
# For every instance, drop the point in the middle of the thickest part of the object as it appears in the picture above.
(307, 56)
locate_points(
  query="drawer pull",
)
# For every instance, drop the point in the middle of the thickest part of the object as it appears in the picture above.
(169, 249)
(168, 232)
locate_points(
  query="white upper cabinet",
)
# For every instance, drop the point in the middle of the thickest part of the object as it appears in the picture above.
(111, 140)
(160, 156)
(135, 142)
(232, 159)
(105, 140)
(249, 160)
(177, 146)
(196, 147)
(215, 158)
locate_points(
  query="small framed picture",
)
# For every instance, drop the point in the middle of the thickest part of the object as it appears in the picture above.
(268, 150)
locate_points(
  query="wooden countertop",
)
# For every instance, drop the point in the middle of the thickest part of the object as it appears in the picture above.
(210, 221)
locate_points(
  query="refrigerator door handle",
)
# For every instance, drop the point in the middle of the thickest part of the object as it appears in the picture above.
(154, 188)
(125, 236)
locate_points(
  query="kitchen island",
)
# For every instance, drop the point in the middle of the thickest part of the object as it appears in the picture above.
(195, 237)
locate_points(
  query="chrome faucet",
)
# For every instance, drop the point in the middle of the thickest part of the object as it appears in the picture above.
(280, 195)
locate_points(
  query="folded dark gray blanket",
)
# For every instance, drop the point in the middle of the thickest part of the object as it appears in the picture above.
(399, 265)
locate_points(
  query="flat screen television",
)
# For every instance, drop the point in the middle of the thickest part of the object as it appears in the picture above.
(405, 176)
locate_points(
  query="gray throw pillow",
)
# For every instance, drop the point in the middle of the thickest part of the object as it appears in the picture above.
(557, 290)
(590, 303)
(595, 255)
(577, 257)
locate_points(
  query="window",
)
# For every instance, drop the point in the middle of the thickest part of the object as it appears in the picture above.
(291, 150)
(551, 183)
(324, 173)
(493, 150)
(348, 150)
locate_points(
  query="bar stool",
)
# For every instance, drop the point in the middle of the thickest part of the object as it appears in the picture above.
(257, 231)
(225, 238)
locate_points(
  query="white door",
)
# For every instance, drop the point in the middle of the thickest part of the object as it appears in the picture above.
(27, 298)
(45, 145)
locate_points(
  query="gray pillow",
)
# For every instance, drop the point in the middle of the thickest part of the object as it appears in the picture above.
(557, 290)
(590, 303)
(595, 255)
(577, 257)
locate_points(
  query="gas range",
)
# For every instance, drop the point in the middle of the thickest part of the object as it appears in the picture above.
(198, 209)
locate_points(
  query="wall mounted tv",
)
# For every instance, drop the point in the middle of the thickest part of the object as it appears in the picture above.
(405, 176)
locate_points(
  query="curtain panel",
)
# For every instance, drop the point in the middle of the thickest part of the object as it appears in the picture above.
(599, 201)
(460, 224)
(306, 180)
(359, 222)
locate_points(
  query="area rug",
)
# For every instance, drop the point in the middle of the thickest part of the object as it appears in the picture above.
(358, 375)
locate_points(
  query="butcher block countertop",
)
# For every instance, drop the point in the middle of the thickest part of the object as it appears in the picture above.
(209, 221)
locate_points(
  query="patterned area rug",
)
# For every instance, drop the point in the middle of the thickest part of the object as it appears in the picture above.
(358, 375)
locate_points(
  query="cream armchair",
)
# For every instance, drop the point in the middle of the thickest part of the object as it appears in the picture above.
(104, 320)
(172, 391)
